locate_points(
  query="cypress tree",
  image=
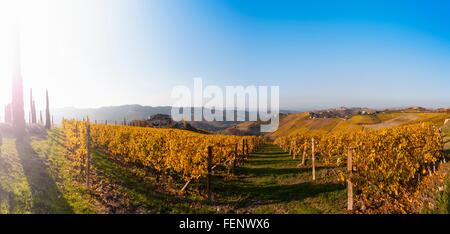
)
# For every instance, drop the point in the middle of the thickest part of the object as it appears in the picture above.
(48, 124)
(18, 115)
(33, 113)
(41, 121)
(8, 114)
(32, 108)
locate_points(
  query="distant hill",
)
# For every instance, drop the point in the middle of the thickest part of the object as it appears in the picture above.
(337, 119)
(111, 113)
(244, 129)
(332, 122)
(165, 121)
(138, 112)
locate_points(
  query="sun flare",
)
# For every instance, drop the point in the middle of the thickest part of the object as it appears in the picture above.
(53, 44)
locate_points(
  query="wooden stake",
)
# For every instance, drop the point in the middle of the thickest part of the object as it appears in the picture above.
(78, 145)
(443, 144)
(304, 154)
(290, 148)
(88, 156)
(247, 155)
(209, 177)
(349, 180)
(236, 155)
(313, 160)
(243, 150)
(185, 186)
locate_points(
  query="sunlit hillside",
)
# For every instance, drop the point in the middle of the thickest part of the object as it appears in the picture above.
(301, 123)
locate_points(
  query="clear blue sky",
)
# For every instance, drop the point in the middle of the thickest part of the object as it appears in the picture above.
(321, 53)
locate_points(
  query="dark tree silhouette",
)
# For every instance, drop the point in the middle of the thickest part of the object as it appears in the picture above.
(41, 120)
(33, 113)
(8, 114)
(48, 123)
(32, 108)
(17, 93)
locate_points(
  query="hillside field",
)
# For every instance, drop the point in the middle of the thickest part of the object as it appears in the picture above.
(301, 123)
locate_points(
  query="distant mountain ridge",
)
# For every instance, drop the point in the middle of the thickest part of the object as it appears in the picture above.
(111, 113)
(138, 112)
(288, 118)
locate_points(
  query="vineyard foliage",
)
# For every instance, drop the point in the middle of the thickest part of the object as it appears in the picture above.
(387, 164)
(172, 152)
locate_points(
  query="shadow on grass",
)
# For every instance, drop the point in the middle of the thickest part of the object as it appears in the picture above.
(257, 162)
(46, 196)
(142, 189)
(273, 171)
(280, 157)
(57, 139)
(447, 154)
(274, 153)
(9, 199)
(277, 193)
(265, 173)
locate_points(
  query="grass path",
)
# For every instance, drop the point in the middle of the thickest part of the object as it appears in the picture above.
(272, 182)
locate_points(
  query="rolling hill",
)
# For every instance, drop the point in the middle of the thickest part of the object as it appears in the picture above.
(303, 123)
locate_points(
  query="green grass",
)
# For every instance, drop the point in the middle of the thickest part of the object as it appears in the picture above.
(15, 195)
(271, 183)
(37, 178)
(443, 201)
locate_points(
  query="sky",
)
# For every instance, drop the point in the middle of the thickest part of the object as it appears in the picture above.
(92, 53)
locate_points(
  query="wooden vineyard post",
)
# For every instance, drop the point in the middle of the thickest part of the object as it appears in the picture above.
(290, 149)
(78, 145)
(236, 155)
(293, 149)
(304, 154)
(247, 155)
(313, 160)
(209, 177)
(243, 151)
(349, 180)
(88, 156)
(443, 144)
